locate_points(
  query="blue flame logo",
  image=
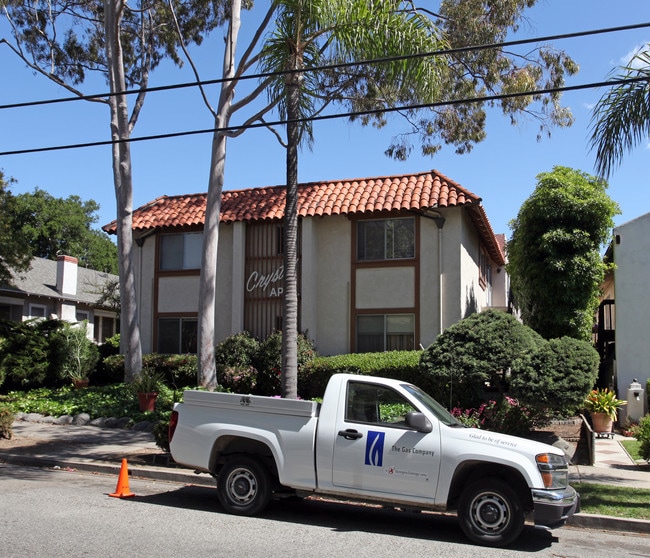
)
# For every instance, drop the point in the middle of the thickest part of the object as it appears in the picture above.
(375, 448)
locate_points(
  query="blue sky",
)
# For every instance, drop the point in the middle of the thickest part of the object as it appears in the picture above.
(501, 169)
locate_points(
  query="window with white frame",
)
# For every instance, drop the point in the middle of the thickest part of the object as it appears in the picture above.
(385, 332)
(82, 316)
(37, 311)
(180, 251)
(386, 239)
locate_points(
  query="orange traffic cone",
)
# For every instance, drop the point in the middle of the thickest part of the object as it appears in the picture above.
(122, 490)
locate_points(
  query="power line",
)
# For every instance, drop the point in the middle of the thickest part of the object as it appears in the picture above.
(460, 50)
(231, 129)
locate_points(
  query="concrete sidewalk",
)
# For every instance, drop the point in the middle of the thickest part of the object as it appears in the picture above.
(101, 450)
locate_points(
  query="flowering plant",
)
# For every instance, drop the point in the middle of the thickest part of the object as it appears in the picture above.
(603, 401)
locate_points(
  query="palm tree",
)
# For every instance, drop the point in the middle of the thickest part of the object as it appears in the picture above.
(621, 118)
(310, 33)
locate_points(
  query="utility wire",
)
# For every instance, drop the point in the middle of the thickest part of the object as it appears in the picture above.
(231, 129)
(332, 66)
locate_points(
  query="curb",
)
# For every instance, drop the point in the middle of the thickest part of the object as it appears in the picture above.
(607, 523)
(183, 476)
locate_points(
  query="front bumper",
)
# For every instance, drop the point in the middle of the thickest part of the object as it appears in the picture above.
(552, 508)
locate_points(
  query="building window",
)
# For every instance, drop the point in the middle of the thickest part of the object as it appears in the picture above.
(82, 316)
(388, 332)
(484, 268)
(177, 335)
(386, 239)
(37, 311)
(180, 251)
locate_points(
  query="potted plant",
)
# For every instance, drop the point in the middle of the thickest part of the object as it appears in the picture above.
(603, 405)
(147, 385)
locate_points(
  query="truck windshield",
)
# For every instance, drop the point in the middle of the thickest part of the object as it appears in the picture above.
(442, 414)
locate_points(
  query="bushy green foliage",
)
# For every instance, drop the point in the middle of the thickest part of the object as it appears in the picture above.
(507, 416)
(555, 264)
(642, 434)
(401, 365)
(268, 361)
(475, 355)
(33, 353)
(557, 376)
(176, 370)
(6, 421)
(237, 351)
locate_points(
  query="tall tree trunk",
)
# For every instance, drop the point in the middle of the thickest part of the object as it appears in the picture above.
(290, 255)
(130, 342)
(208, 286)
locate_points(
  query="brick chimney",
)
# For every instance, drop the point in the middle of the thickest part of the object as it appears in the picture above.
(66, 275)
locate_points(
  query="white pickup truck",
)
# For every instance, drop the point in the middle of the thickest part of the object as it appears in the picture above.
(375, 440)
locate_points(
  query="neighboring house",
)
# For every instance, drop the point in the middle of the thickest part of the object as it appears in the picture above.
(60, 289)
(625, 307)
(384, 263)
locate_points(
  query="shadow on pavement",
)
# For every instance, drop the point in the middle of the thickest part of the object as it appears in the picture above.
(347, 517)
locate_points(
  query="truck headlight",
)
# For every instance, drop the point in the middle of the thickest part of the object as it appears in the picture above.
(554, 470)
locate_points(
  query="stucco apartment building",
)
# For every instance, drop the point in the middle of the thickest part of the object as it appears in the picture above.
(384, 263)
(624, 311)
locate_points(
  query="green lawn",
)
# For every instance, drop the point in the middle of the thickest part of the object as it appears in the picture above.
(633, 447)
(614, 501)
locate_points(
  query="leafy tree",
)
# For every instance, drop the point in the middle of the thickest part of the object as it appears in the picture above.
(554, 253)
(63, 226)
(124, 42)
(15, 251)
(557, 377)
(476, 354)
(467, 73)
(621, 118)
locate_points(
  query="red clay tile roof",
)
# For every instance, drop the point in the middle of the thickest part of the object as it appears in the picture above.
(414, 192)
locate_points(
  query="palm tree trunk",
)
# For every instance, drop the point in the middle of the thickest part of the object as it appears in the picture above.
(290, 256)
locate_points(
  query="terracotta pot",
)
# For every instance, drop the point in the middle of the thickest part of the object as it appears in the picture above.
(601, 422)
(78, 384)
(147, 401)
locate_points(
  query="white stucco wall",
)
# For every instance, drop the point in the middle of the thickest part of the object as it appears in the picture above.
(632, 259)
(326, 283)
(429, 282)
(145, 259)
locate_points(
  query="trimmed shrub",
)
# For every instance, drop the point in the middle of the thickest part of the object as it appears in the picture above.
(557, 377)
(33, 354)
(400, 365)
(268, 362)
(471, 358)
(234, 358)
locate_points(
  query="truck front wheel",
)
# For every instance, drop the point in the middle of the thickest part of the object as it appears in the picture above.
(243, 486)
(490, 513)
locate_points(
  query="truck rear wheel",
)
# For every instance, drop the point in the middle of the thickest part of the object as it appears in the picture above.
(243, 486)
(490, 513)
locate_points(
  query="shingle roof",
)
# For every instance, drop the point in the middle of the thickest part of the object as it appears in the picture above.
(40, 280)
(414, 192)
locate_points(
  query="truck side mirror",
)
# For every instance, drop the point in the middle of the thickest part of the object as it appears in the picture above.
(418, 422)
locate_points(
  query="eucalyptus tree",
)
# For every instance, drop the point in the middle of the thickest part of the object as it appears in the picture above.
(621, 118)
(124, 42)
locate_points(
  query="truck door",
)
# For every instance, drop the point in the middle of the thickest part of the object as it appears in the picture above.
(375, 449)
